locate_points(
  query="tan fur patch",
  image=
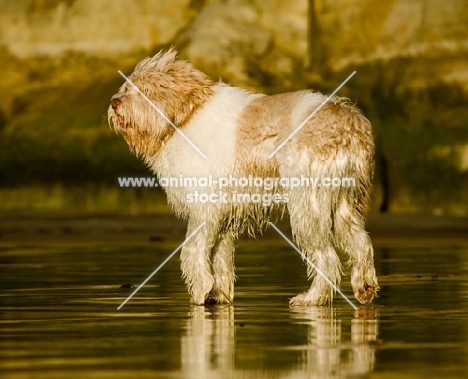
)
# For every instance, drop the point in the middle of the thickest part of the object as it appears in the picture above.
(264, 124)
(335, 126)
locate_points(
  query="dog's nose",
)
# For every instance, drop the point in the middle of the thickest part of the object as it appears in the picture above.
(115, 103)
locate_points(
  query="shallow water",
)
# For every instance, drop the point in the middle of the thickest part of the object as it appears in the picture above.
(59, 317)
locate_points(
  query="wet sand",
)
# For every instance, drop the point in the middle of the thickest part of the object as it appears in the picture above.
(27, 228)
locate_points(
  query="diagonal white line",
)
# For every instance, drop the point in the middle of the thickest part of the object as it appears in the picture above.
(162, 114)
(162, 264)
(311, 115)
(315, 267)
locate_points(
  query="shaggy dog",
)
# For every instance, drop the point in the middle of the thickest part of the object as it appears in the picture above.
(238, 131)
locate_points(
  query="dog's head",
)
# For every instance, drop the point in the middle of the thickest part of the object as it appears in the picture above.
(161, 91)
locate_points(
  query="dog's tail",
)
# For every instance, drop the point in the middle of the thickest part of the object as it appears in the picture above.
(351, 202)
(360, 154)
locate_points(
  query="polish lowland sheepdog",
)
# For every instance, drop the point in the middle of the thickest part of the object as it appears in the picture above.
(222, 138)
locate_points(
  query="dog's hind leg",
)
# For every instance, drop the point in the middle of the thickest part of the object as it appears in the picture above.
(352, 238)
(222, 263)
(311, 223)
(195, 260)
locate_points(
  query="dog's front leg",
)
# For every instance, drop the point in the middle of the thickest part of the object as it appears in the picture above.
(195, 260)
(222, 263)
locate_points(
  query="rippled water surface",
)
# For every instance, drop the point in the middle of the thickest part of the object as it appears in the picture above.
(59, 317)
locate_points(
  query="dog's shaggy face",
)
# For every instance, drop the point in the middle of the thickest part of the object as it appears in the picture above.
(238, 131)
(174, 87)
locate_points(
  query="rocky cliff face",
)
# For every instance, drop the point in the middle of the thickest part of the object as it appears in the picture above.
(103, 27)
(344, 33)
(411, 58)
(233, 37)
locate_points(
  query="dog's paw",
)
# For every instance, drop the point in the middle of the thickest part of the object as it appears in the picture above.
(211, 300)
(308, 299)
(200, 299)
(366, 294)
(196, 302)
(216, 297)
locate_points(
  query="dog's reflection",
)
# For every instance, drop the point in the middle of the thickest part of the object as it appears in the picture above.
(208, 345)
(334, 346)
(329, 352)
